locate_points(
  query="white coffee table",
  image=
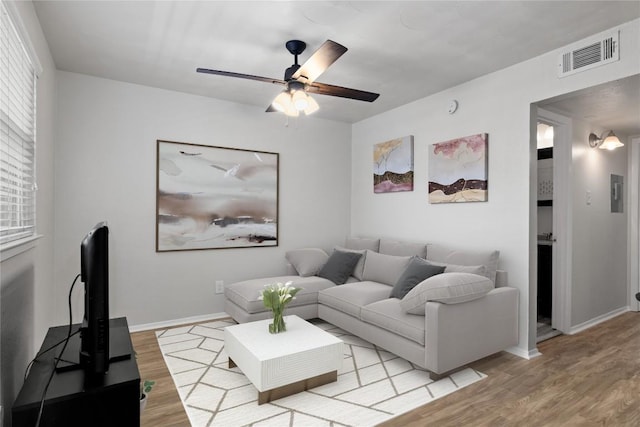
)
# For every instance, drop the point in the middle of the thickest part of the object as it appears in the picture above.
(278, 365)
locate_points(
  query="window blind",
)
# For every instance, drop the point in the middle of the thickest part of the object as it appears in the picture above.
(17, 135)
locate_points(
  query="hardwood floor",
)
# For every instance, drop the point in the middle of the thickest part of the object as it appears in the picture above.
(588, 379)
(164, 408)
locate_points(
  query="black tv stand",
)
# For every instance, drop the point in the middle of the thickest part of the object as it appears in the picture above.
(119, 349)
(73, 399)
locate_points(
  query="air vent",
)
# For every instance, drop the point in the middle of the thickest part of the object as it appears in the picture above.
(588, 55)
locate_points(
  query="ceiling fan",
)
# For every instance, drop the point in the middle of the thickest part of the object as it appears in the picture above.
(299, 80)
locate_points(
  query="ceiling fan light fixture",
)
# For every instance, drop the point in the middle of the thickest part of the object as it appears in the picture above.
(299, 99)
(282, 102)
(291, 111)
(312, 107)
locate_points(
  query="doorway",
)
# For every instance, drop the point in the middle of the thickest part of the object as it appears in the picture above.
(545, 236)
(552, 226)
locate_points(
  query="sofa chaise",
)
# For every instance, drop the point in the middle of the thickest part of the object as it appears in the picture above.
(376, 289)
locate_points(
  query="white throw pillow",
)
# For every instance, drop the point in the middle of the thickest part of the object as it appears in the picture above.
(382, 268)
(447, 288)
(443, 254)
(455, 268)
(307, 261)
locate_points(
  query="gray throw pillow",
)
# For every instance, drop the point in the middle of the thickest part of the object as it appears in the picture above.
(339, 266)
(359, 268)
(417, 271)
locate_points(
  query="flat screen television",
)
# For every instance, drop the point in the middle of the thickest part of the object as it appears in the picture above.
(94, 272)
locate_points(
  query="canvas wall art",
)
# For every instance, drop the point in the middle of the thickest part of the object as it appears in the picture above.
(215, 197)
(393, 165)
(458, 170)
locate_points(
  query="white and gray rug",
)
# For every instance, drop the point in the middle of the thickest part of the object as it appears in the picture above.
(373, 385)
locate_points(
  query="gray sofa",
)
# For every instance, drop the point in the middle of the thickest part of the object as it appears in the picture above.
(462, 313)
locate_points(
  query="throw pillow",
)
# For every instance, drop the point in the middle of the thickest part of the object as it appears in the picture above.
(339, 266)
(307, 261)
(443, 254)
(359, 268)
(447, 288)
(417, 271)
(382, 268)
(455, 268)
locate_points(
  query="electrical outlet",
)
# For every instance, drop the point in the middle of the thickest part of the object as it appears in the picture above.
(219, 286)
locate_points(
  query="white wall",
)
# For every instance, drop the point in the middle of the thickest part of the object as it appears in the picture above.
(599, 272)
(26, 279)
(105, 169)
(498, 104)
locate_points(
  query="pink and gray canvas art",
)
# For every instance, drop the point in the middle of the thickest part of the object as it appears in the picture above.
(458, 170)
(393, 165)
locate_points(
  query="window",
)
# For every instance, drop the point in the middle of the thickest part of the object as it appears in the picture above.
(17, 134)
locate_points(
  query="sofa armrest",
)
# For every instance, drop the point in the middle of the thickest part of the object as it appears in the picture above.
(457, 334)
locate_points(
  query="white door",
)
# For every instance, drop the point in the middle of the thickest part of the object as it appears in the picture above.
(562, 233)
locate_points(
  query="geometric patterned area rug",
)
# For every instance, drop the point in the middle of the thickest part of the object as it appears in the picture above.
(373, 385)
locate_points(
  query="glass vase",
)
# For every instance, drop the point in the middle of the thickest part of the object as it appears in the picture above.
(278, 324)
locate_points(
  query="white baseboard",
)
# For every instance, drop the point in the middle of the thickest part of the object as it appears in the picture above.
(596, 320)
(177, 322)
(525, 354)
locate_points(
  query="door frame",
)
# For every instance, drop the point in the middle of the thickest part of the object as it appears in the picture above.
(633, 249)
(562, 220)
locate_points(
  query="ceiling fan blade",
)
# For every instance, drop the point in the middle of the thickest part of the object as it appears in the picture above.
(343, 92)
(241, 76)
(321, 59)
(270, 109)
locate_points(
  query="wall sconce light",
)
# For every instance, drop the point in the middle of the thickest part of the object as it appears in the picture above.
(608, 141)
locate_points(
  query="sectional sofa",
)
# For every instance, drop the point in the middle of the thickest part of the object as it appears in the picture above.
(437, 307)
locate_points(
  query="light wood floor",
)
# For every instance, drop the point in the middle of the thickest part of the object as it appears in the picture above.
(588, 379)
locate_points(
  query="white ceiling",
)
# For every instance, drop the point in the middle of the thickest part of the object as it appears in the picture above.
(614, 105)
(402, 50)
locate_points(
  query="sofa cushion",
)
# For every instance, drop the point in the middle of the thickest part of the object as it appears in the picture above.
(447, 288)
(349, 298)
(307, 261)
(245, 294)
(401, 248)
(389, 315)
(340, 266)
(361, 243)
(443, 254)
(359, 268)
(417, 270)
(382, 268)
(455, 268)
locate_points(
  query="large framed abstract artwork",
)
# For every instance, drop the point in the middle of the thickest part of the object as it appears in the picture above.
(458, 170)
(393, 165)
(215, 197)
